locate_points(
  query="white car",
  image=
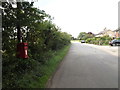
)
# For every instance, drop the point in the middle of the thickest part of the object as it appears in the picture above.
(82, 41)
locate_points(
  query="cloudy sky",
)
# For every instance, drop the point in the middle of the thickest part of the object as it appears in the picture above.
(75, 16)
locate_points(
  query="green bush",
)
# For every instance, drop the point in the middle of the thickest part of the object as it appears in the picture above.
(99, 40)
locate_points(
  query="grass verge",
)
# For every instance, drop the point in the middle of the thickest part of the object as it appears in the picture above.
(52, 64)
(75, 40)
(38, 77)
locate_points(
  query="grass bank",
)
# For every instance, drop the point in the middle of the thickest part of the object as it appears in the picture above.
(38, 77)
(75, 40)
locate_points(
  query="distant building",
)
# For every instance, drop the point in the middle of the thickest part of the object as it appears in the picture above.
(90, 34)
(105, 32)
(117, 33)
(110, 33)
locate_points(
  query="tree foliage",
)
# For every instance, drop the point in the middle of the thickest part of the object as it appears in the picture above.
(37, 30)
(84, 35)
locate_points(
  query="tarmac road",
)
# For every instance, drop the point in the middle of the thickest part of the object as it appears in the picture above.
(87, 66)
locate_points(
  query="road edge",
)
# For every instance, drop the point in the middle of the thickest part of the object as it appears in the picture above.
(49, 82)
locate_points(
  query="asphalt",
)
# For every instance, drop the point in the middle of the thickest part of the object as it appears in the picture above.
(87, 66)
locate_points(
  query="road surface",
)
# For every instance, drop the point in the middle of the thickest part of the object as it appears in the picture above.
(87, 66)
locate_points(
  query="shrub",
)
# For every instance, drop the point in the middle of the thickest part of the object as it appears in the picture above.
(99, 40)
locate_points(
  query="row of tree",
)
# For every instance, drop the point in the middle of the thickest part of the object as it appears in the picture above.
(27, 24)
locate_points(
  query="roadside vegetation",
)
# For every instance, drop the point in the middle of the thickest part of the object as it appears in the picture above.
(91, 39)
(99, 40)
(47, 45)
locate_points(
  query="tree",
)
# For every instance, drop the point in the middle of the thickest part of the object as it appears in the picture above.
(33, 26)
(82, 35)
(25, 20)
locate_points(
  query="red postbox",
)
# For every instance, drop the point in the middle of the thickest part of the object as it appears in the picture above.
(22, 50)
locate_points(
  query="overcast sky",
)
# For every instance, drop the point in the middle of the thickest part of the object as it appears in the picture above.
(75, 16)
